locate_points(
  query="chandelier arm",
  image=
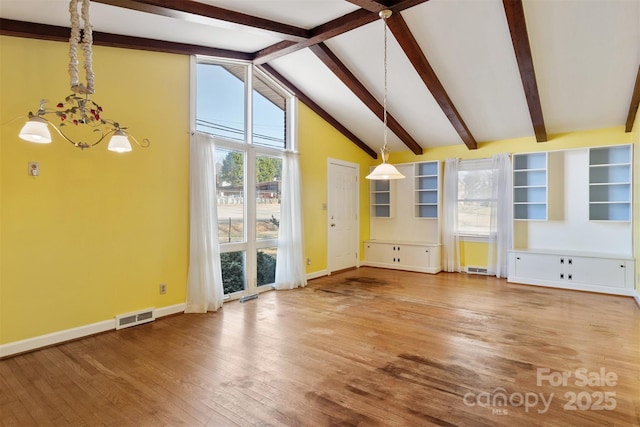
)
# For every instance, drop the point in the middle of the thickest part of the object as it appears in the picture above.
(145, 141)
(81, 145)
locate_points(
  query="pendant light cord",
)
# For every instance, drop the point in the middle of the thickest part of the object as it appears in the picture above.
(384, 19)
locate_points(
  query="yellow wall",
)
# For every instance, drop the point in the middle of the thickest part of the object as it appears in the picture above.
(97, 232)
(319, 141)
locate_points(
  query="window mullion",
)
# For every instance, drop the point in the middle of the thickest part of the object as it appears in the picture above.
(250, 181)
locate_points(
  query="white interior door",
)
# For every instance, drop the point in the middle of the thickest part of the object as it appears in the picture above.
(342, 218)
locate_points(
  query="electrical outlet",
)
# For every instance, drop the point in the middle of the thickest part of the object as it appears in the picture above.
(308, 261)
(34, 168)
(163, 288)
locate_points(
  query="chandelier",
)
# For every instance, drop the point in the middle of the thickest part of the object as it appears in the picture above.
(78, 109)
(385, 170)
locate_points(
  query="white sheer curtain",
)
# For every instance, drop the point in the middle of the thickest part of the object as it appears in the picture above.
(290, 271)
(450, 240)
(501, 232)
(204, 286)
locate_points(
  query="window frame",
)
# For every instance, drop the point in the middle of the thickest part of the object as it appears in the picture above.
(251, 244)
(470, 165)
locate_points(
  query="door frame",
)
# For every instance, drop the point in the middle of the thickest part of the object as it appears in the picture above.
(331, 161)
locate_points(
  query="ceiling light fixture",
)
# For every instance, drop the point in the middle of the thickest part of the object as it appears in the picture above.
(77, 108)
(385, 170)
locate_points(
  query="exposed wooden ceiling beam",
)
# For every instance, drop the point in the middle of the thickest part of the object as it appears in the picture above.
(328, 30)
(633, 107)
(410, 46)
(520, 40)
(378, 5)
(32, 30)
(202, 13)
(370, 5)
(319, 34)
(317, 109)
(342, 72)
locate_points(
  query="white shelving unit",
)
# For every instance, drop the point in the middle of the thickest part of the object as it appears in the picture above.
(426, 189)
(585, 242)
(610, 183)
(381, 199)
(530, 186)
(404, 223)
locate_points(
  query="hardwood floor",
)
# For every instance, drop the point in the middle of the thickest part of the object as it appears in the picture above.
(368, 347)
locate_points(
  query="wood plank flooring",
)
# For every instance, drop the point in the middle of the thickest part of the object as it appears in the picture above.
(366, 347)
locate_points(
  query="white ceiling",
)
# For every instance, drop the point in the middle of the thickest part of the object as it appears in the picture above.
(586, 55)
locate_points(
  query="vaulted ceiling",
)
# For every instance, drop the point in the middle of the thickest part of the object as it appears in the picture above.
(459, 71)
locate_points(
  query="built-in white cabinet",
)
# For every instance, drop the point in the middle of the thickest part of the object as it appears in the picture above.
(610, 183)
(403, 255)
(530, 186)
(404, 223)
(381, 198)
(573, 270)
(426, 189)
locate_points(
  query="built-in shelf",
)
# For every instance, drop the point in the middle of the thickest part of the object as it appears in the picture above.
(530, 186)
(426, 189)
(381, 198)
(610, 183)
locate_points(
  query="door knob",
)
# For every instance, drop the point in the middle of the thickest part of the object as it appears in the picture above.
(333, 225)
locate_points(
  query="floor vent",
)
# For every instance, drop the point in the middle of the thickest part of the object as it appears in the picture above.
(476, 270)
(248, 297)
(133, 319)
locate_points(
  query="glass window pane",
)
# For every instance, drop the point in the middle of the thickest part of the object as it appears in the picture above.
(230, 186)
(220, 100)
(266, 261)
(474, 217)
(474, 184)
(268, 180)
(233, 278)
(268, 114)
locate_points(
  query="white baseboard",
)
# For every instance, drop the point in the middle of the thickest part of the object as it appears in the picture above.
(636, 297)
(317, 274)
(53, 338)
(171, 309)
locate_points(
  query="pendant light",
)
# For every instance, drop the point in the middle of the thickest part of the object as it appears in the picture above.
(385, 170)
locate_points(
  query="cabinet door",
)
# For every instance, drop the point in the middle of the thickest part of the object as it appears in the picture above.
(414, 256)
(377, 252)
(540, 266)
(597, 271)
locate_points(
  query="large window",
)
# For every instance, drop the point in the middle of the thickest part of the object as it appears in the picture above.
(475, 199)
(248, 167)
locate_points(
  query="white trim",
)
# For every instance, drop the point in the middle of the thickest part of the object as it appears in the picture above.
(636, 297)
(316, 274)
(430, 270)
(473, 238)
(53, 338)
(170, 309)
(573, 286)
